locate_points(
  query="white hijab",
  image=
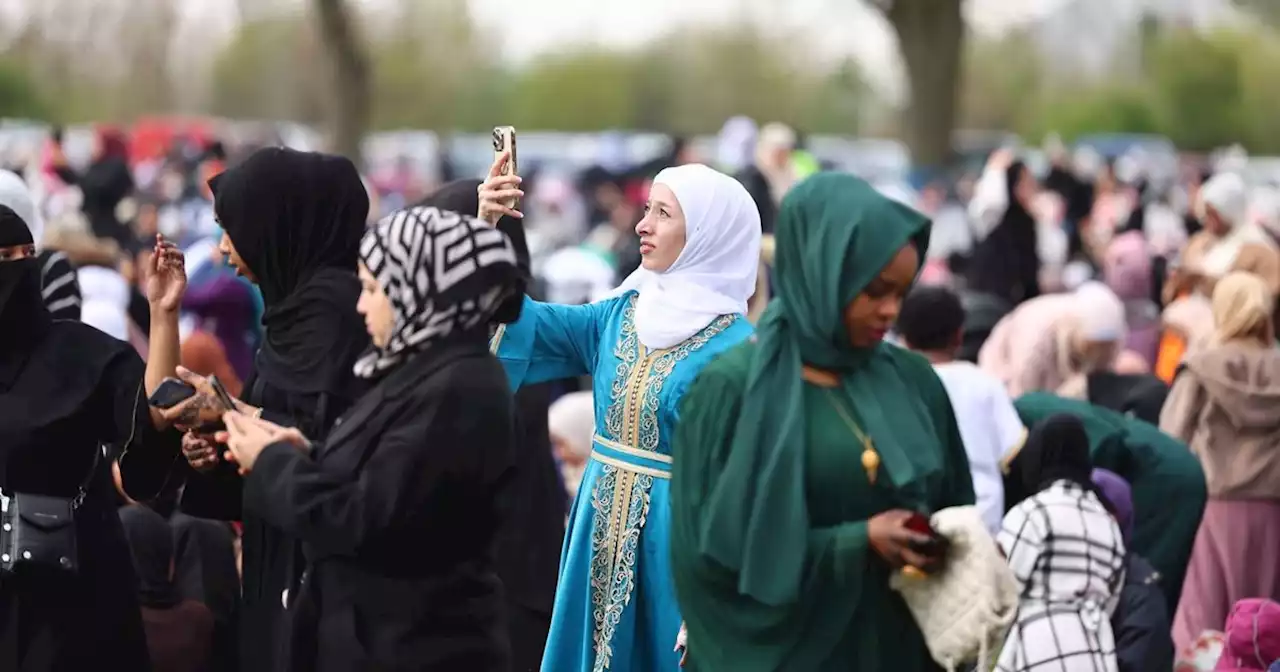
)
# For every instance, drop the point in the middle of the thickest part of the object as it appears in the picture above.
(15, 195)
(105, 297)
(1227, 194)
(715, 273)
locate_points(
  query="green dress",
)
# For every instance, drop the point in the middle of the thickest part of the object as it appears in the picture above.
(769, 496)
(1169, 490)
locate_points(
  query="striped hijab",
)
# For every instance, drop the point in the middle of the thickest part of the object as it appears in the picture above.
(444, 273)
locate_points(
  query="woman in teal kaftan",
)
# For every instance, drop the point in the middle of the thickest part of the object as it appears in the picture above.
(615, 606)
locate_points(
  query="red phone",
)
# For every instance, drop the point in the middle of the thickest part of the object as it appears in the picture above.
(918, 522)
(936, 544)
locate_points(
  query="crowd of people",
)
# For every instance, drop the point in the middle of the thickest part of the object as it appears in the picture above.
(720, 417)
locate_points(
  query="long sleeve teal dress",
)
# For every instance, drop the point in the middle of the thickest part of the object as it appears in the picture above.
(615, 606)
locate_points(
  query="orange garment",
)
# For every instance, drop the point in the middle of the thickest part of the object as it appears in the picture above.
(202, 353)
(1172, 347)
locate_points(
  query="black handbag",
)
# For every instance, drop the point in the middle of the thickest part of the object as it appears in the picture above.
(40, 530)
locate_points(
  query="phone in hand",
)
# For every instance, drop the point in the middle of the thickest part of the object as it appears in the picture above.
(504, 140)
(170, 393)
(936, 544)
(223, 397)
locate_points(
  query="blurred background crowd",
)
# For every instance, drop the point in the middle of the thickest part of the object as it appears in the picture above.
(1093, 123)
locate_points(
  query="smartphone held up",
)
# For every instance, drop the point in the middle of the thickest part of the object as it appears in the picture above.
(504, 141)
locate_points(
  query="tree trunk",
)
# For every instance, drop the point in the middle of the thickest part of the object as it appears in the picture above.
(349, 64)
(930, 33)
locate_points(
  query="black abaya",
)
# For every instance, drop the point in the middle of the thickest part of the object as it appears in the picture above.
(66, 389)
(528, 558)
(296, 218)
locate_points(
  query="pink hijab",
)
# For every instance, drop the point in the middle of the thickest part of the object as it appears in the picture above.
(1127, 267)
(1252, 637)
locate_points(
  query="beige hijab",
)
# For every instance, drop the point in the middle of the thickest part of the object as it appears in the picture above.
(1242, 307)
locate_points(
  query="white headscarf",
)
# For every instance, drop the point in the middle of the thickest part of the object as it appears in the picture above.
(715, 273)
(572, 418)
(1100, 312)
(736, 144)
(15, 195)
(1227, 194)
(105, 301)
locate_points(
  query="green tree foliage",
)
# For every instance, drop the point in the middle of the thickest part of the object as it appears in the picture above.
(689, 82)
(1002, 83)
(269, 71)
(1266, 10)
(1196, 87)
(19, 96)
(590, 89)
(1202, 90)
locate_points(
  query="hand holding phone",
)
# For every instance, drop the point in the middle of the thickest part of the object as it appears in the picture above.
(170, 393)
(500, 193)
(228, 403)
(904, 538)
(935, 544)
(504, 143)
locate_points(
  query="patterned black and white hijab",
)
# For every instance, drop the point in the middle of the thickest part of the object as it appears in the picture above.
(445, 274)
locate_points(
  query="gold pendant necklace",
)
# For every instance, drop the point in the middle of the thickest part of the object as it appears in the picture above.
(870, 458)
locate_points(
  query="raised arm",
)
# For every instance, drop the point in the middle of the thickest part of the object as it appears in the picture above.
(166, 283)
(990, 195)
(551, 341)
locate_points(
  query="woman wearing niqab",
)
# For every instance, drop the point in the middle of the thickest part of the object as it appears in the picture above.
(61, 289)
(67, 389)
(292, 222)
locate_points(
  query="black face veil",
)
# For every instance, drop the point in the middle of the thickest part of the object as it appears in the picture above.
(23, 317)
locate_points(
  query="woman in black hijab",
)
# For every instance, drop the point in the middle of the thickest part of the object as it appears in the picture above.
(67, 389)
(1006, 263)
(529, 542)
(292, 225)
(400, 507)
(1057, 448)
(1066, 551)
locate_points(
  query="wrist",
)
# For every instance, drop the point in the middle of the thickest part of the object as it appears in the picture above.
(160, 312)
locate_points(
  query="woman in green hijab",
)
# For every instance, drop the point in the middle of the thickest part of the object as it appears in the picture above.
(799, 456)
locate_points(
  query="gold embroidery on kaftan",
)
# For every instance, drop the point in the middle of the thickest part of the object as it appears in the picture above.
(621, 496)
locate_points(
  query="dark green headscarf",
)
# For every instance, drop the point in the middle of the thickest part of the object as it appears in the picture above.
(835, 234)
(1169, 491)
